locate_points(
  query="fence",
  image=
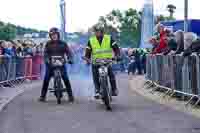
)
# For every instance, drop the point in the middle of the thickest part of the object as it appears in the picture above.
(15, 68)
(177, 74)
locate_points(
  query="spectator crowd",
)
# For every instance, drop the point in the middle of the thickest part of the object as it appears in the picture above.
(164, 42)
(20, 59)
(173, 62)
(20, 48)
(167, 42)
(27, 58)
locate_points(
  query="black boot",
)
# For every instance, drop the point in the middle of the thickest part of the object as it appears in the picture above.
(42, 99)
(43, 93)
(97, 94)
(114, 88)
(69, 89)
(71, 99)
(70, 95)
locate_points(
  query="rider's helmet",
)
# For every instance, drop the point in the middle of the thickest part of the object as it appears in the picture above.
(54, 30)
(98, 28)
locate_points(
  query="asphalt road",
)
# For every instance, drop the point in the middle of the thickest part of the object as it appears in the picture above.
(131, 114)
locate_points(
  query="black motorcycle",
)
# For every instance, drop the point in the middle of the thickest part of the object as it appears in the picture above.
(105, 90)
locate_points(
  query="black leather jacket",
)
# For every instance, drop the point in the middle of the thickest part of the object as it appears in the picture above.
(57, 48)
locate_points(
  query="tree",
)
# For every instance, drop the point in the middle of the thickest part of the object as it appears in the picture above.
(171, 9)
(160, 18)
(124, 26)
(130, 28)
(1, 23)
(7, 32)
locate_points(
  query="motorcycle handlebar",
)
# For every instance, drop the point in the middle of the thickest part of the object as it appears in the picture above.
(108, 60)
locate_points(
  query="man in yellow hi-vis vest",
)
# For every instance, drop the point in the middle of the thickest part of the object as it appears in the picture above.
(102, 46)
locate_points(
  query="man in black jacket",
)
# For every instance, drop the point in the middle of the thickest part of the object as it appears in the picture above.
(56, 47)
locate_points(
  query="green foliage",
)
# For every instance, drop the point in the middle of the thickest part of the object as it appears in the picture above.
(163, 18)
(123, 25)
(9, 31)
(130, 28)
(22, 30)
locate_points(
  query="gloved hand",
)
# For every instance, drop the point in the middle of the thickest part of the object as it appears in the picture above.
(88, 61)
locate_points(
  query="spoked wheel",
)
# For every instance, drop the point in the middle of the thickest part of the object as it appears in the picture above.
(106, 97)
(58, 91)
(58, 96)
(107, 101)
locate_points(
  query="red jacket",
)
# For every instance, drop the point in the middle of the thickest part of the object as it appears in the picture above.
(162, 44)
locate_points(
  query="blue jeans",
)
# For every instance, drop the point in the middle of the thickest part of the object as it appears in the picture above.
(132, 68)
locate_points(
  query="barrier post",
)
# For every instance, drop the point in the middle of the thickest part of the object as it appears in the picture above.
(198, 73)
(28, 68)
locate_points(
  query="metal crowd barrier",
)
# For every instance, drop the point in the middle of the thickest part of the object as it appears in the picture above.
(176, 74)
(14, 70)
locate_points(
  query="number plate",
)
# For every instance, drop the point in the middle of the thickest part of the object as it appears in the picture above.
(103, 70)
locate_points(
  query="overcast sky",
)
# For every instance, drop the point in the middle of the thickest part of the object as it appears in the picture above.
(81, 14)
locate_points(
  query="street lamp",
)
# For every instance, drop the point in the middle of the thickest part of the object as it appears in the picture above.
(62, 18)
(186, 15)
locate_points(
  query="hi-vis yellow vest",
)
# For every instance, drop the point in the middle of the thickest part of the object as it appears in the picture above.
(101, 51)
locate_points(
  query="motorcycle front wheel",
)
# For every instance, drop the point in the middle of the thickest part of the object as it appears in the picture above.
(106, 97)
(58, 90)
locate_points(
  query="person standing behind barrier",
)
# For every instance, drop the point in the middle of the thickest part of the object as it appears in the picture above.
(19, 50)
(156, 38)
(179, 37)
(132, 64)
(27, 51)
(39, 49)
(162, 41)
(192, 44)
(1, 48)
(138, 61)
(9, 51)
(143, 60)
(122, 63)
(170, 41)
(9, 61)
(2, 65)
(176, 43)
(154, 43)
(189, 38)
(126, 60)
(135, 62)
